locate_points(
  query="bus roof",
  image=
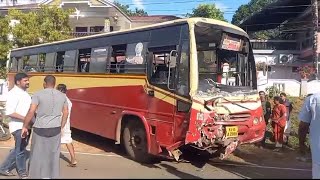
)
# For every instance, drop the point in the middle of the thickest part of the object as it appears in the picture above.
(173, 22)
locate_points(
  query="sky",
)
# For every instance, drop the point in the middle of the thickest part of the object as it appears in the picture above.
(181, 7)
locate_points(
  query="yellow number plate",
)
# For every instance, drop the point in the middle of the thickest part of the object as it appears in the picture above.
(232, 131)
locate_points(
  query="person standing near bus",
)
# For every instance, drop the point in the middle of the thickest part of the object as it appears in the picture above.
(50, 104)
(289, 108)
(17, 106)
(66, 132)
(278, 117)
(266, 106)
(310, 121)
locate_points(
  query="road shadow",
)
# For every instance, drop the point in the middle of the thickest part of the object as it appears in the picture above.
(176, 172)
(96, 141)
(107, 145)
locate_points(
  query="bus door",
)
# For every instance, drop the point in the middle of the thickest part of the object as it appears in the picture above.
(161, 102)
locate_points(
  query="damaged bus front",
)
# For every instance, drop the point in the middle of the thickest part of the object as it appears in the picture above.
(226, 109)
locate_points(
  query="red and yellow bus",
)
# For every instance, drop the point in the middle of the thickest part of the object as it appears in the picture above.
(156, 88)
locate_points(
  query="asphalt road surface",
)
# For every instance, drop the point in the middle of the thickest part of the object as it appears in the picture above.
(111, 162)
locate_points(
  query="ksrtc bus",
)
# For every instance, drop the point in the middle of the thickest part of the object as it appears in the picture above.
(156, 88)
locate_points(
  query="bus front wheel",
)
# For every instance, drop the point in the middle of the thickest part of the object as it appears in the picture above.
(135, 142)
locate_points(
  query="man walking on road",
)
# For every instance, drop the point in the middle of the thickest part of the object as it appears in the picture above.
(17, 106)
(310, 118)
(50, 104)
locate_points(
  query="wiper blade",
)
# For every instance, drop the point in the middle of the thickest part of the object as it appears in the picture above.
(215, 98)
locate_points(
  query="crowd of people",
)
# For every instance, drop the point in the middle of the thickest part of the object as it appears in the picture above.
(279, 116)
(309, 117)
(47, 113)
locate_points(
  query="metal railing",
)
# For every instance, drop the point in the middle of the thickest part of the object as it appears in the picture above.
(81, 34)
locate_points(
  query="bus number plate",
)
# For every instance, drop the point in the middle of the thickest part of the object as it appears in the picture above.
(231, 131)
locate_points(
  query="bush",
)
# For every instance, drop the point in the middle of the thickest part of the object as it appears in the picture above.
(272, 91)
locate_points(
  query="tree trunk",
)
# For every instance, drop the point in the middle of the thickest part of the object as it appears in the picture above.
(315, 21)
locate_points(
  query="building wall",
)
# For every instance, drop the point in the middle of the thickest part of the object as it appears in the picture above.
(18, 2)
(139, 24)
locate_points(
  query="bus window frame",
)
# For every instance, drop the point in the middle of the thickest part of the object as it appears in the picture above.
(14, 64)
(66, 61)
(94, 58)
(143, 55)
(165, 50)
(53, 65)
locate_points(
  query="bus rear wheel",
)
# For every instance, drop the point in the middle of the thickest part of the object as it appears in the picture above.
(135, 142)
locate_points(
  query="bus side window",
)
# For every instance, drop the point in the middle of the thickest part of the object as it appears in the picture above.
(42, 59)
(49, 63)
(13, 66)
(136, 58)
(84, 59)
(59, 61)
(99, 57)
(70, 61)
(30, 63)
(118, 58)
(160, 68)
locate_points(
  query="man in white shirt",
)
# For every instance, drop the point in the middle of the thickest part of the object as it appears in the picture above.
(17, 106)
(310, 119)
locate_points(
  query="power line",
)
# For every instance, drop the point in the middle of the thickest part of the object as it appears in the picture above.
(171, 2)
(277, 23)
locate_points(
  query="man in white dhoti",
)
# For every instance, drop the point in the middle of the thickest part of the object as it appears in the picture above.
(50, 104)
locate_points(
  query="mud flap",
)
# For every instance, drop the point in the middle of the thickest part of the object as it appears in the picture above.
(229, 149)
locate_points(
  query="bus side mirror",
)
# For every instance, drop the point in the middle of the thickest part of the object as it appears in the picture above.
(173, 59)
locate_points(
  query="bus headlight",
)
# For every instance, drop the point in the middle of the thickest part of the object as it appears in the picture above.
(255, 121)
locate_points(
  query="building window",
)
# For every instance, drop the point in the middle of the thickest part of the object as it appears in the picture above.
(97, 29)
(81, 29)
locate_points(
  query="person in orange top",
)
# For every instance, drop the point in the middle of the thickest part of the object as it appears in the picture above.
(279, 118)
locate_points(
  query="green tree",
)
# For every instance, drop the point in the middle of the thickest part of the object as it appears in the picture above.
(246, 10)
(45, 25)
(254, 6)
(127, 11)
(5, 44)
(207, 11)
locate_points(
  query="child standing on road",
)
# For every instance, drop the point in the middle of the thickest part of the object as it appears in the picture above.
(66, 133)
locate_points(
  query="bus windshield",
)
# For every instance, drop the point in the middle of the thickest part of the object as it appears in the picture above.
(223, 63)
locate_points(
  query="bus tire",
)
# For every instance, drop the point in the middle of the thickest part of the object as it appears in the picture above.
(135, 142)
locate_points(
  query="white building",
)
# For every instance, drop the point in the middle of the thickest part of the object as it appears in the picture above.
(90, 16)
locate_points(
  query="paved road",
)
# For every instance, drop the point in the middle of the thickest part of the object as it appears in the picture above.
(105, 160)
(111, 165)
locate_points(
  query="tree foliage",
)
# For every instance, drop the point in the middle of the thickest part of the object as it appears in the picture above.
(127, 11)
(5, 44)
(246, 10)
(207, 11)
(44, 25)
